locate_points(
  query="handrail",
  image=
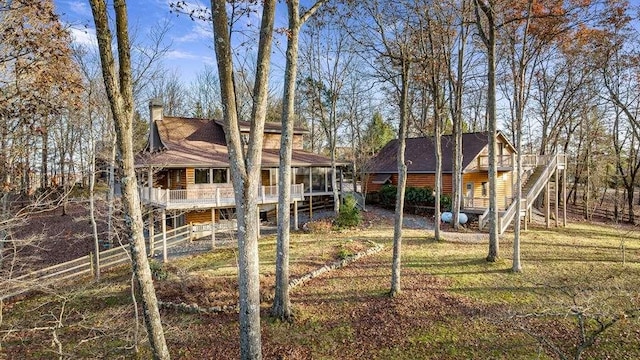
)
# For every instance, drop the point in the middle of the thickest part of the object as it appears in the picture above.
(216, 195)
(535, 190)
(481, 219)
(533, 193)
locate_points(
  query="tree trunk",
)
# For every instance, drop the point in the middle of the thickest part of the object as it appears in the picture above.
(245, 170)
(281, 308)
(402, 177)
(489, 40)
(92, 206)
(44, 179)
(119, 90)
(630, 194)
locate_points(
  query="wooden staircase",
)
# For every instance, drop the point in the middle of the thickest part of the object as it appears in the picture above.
(543, 168)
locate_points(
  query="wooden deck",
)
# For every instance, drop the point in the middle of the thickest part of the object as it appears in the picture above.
(210, 196)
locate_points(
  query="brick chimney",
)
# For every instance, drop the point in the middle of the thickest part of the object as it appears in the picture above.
(155, 114)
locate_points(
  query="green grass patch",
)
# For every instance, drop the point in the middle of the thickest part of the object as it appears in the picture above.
(453, 304)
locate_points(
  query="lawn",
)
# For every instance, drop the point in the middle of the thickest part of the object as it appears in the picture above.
(453, 304)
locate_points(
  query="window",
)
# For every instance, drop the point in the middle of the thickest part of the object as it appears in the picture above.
(202, 176)
(219, 176)
(484, 189)
(319, 179)
(303, 177)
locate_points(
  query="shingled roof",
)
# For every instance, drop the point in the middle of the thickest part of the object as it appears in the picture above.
(420, 154)
(201, 143)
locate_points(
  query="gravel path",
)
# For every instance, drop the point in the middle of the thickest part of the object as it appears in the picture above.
(373, 215)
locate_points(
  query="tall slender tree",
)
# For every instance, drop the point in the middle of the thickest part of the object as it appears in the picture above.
(486, 24)
(281, 303)
(245, 166)
(119, 88)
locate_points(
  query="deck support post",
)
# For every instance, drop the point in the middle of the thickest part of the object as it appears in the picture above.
(149, 183)
(164, 235)
(547, 206)
(213, 228)
(310, 208)
(152, 231)
(295, 215)
(555, 198)
(564, 196)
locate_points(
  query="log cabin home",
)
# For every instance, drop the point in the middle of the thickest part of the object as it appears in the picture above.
(540, 172)
(184, 172)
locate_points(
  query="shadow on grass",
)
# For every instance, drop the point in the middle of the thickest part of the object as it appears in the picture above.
(579, 246)
(601, 233)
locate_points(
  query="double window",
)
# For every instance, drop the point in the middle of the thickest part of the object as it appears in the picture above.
(209, 176)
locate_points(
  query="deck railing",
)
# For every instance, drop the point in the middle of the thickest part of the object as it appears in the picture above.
(211, 196)
(502, 161)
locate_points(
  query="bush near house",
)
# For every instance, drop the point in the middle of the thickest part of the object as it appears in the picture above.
(413, 196)
(349, 215)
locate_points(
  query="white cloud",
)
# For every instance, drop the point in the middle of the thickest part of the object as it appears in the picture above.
(79, 7)
(84, 36)
(199, 31)
(178, 54)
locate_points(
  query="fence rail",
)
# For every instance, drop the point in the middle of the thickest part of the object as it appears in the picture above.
(43, 278)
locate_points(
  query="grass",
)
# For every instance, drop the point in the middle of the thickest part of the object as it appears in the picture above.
(454, 305)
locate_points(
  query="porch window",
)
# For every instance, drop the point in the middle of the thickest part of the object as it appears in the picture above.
(484, 189)
(303, 177)
(202, 176)
(219, 176)
(319, 179)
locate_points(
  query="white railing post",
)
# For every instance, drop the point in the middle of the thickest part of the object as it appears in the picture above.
(217, 196)
(164, 235)
(213, 228)
(262, 188)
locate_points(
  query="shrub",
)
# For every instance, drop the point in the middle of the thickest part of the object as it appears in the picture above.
(418, 196)
(388, 195)
(445, 202)
(158, 272)
(344, 252)
(349, 215)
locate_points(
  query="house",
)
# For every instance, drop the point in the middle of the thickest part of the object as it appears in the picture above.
(185, 170)
(538, 171)
(421, 166)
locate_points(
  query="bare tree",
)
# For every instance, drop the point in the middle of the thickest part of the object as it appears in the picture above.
(385, 35)
(119, 88)
(486, 24)
(326, 82)
(245, 167)
(281, 304)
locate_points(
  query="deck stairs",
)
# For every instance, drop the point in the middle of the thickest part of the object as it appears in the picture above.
(541, 170)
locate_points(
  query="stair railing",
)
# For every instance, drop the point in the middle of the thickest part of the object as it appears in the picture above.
(534, 191)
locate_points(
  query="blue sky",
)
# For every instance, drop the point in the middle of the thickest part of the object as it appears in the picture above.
(191, 41)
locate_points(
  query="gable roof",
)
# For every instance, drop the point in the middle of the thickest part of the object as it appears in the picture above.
(201, 143)
(420, 153)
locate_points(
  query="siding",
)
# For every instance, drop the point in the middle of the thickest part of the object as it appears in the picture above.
(416, 180)
(504, 186)
(201, 216)
(272, 141)
(190, 177)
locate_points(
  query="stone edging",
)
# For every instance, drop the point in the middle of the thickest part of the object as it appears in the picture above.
(196, 309)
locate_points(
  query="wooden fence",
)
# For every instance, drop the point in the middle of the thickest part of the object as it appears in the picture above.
(84, 266)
